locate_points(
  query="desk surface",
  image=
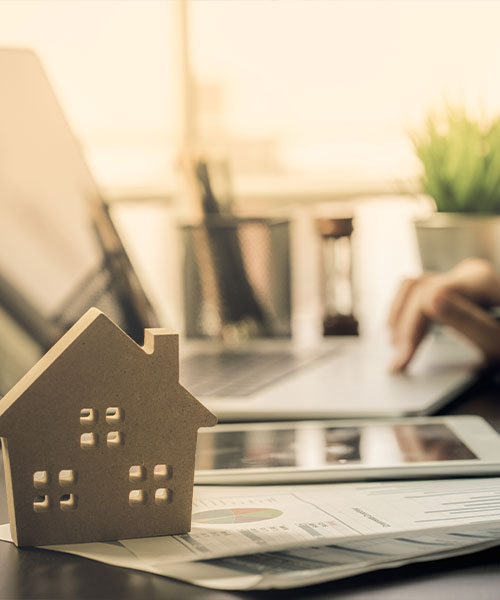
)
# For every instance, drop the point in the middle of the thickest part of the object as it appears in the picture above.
(40, 574)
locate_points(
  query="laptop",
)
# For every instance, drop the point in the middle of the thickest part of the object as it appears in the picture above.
(60, 254)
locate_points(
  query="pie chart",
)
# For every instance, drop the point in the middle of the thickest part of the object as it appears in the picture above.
(225, 516)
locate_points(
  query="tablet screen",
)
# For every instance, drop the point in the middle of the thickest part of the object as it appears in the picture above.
(322, 447)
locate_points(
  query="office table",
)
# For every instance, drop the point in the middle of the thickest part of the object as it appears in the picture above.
(40, 574)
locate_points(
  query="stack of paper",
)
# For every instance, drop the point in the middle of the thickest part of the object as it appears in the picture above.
(288, 536)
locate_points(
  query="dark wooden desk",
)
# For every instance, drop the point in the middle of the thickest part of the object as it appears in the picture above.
(40, 574)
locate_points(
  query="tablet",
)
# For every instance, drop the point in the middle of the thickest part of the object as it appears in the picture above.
(308, 451)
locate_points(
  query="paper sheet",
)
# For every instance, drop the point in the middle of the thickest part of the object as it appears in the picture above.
(300, 567)
(324, 532)
(306, 566)
(231, 521)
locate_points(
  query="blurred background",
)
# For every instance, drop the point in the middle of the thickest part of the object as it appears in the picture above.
(309, 106)
(303, 97)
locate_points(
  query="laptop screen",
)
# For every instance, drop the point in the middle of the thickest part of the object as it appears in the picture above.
(59, 251)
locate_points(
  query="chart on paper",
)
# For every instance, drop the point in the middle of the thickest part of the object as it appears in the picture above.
(253, 522)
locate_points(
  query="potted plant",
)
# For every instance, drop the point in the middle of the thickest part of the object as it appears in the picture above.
(460, 157)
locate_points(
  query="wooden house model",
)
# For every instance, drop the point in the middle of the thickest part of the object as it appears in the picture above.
(99, 439)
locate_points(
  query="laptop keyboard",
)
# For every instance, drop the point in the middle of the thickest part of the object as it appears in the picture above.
(241, 374)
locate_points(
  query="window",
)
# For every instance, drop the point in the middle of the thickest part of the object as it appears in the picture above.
(89, 441)
(114, 415)
(162, 472)
(115, 439)
(41, 504)
(137, 498)
(137, 473)
(68, 502)
(88, 416)
(67, 477)
(160, 496)
(40, 479)
(163, 496)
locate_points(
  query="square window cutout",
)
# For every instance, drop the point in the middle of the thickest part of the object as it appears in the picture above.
(115, 439)
(41, 504)
(89, 441)
(114, 414)
(67, 477)
(40, 479)
(163, 496)
(162, 472)
(68, 502)
(137, 473)
(88, 416)
(137, 498)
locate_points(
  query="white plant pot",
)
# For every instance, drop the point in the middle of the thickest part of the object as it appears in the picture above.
(444, 239)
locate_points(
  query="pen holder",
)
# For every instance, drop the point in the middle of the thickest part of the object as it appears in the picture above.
(236, 278)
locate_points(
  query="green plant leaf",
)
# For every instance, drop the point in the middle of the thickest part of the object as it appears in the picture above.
(461, 161)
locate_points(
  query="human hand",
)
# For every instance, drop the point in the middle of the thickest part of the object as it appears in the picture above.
(458, 298)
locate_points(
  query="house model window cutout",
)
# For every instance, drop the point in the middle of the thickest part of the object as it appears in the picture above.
(99, 439)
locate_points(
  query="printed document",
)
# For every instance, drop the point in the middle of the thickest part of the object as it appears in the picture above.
(285, 537)
(230, 521)
(306, 566)
(300, 567)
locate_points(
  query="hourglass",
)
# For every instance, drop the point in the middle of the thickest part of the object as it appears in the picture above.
(337, 276)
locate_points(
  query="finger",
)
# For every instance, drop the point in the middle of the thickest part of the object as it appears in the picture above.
(470, 320)
(400, 300)
(405, 351)
(409, 330)
(476, 279)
